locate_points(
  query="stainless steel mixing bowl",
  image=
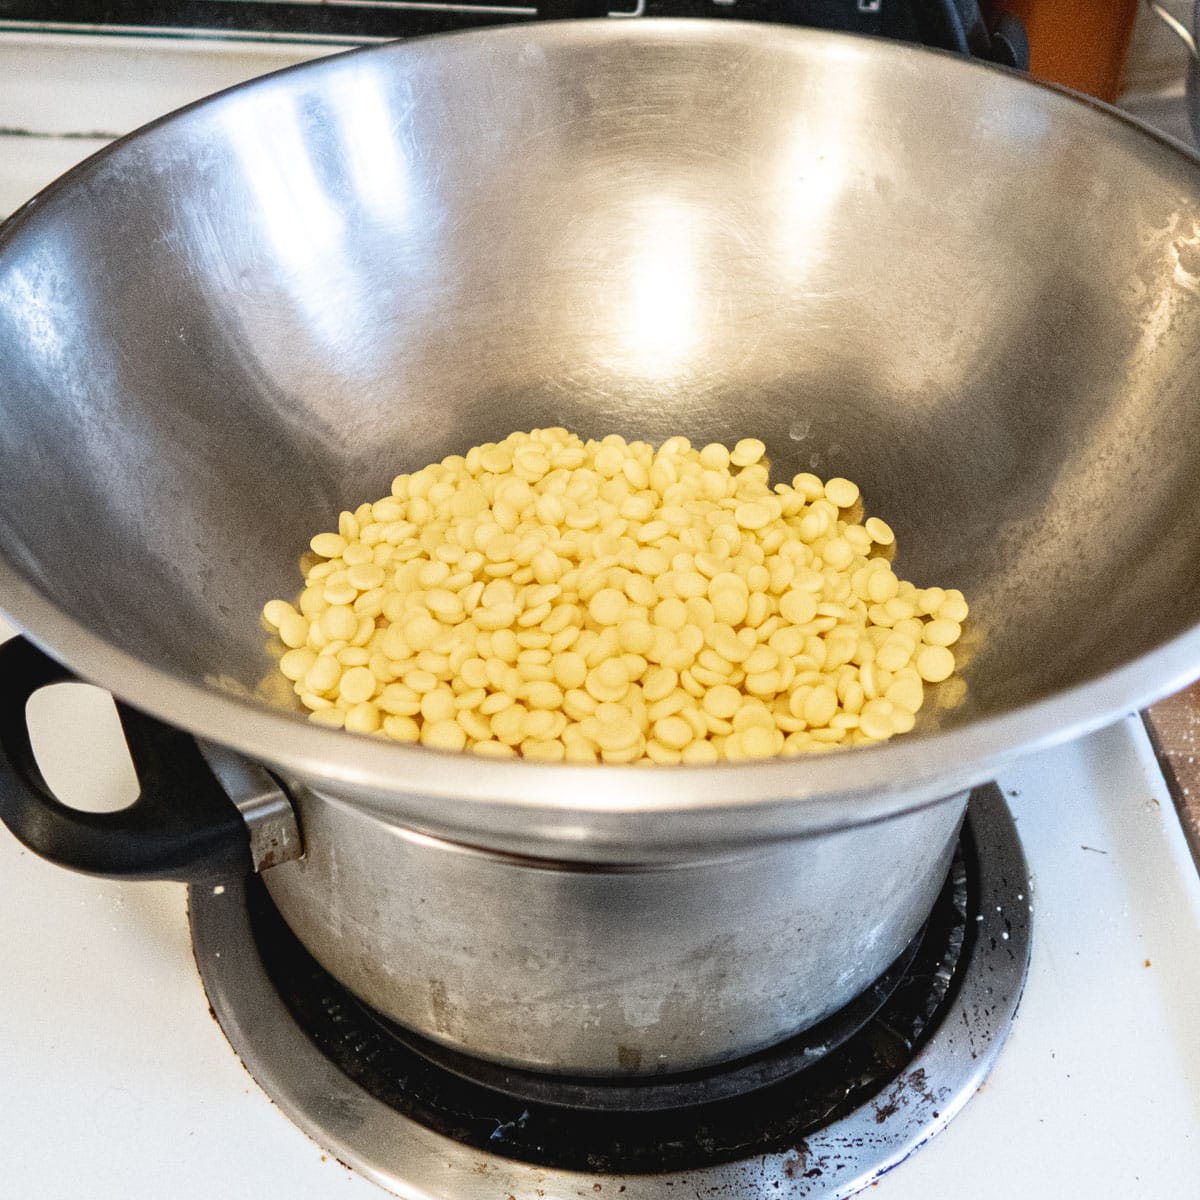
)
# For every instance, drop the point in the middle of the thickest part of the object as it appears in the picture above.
(976, 296)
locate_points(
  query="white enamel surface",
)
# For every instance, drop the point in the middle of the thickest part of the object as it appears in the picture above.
(118, 1085)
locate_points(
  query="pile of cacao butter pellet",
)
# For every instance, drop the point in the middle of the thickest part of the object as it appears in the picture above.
(606, 601)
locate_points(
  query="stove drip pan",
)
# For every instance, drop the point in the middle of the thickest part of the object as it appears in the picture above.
(822, 1115)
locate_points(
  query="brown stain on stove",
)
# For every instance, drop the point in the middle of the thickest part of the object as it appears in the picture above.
(919, 1083)
(915, 1084)
(796, 1163)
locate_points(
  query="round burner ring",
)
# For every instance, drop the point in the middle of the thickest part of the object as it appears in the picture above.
(417, 1163)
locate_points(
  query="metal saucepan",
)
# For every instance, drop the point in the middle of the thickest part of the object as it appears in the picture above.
(976, 296)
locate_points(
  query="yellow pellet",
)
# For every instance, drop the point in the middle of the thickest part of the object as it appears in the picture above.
(324, 674)
(906, 692)
(934, 663)
(473, 672)
(617, 732)
(841, 492)
(820, 706)
(438, 705)
(722, 701)
(444, 735)
(635, 635)
(543, 749)
(689, 584)
(543, 694)
(612, 673)
(365, 576)
(357, 684)
(746, 452)
(752, 713)
(403, 729)
(541, 724)
(798, 607)
(296, 664)
(656, 752)
(882, 586)
(757, 609)
(699, 752)
(496, 702)
(751, 515)
(293, 630)
(274, 612)
(608, 606)
(569, 670)
(659, 682)
(328, 545)
(876, 720)
(420, 631)
(894, 655)
(941, 632)
(339, 623)
(929, 600)
(443, 603)
(953, 607)
(729, 605)
(880, 531)
(727, 644)
(363, 718)
(759, 742)
(673, 732)
(420, 681)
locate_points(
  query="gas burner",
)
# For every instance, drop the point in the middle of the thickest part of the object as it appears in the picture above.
(823, 1115)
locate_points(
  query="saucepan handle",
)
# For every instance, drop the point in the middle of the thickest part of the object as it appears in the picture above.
(182, 826)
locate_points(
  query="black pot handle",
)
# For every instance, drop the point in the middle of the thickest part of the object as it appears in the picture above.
(182, 825)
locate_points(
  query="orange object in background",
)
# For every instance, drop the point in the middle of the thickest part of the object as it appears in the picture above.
(1079, 43)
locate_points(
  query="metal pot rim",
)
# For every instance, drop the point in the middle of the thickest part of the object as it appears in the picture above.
(634, 809)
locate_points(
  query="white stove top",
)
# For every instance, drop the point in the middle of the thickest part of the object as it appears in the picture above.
(116, 1084)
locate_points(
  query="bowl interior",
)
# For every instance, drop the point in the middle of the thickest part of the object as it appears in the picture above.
(978, 298)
